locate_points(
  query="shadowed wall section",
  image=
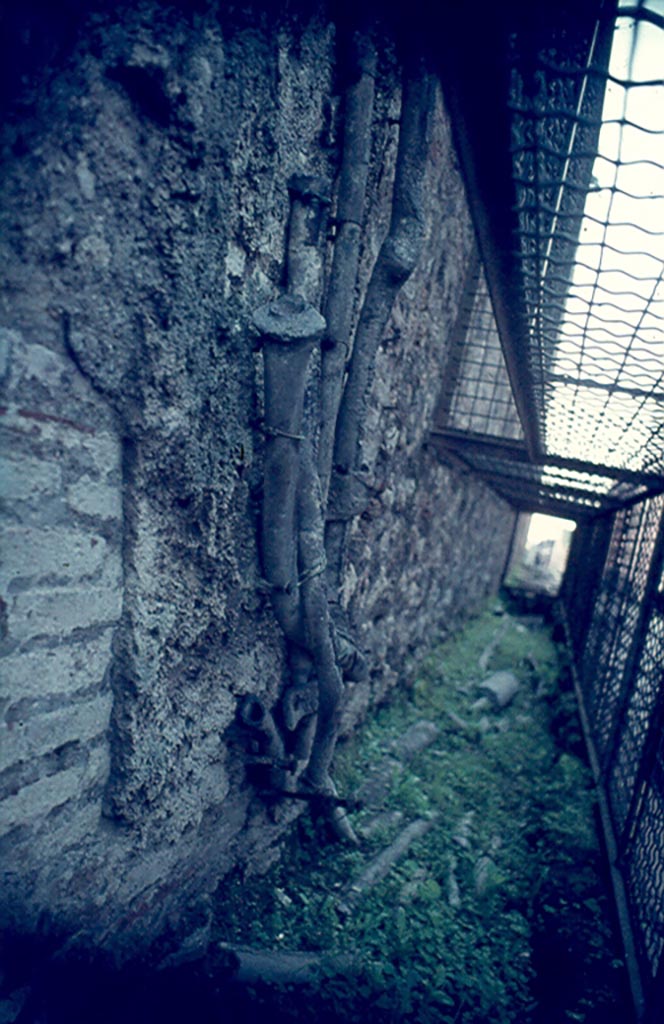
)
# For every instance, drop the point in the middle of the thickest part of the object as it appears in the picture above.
(147, 152)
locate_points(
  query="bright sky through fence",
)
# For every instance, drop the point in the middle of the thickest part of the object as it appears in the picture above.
(609, 358)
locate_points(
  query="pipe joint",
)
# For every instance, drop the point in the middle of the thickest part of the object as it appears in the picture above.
(289, 320)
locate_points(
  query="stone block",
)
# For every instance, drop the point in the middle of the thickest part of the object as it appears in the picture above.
(97, 767)
(36, 362)
(33, 554)
(92, 498)
(106, 451)
(58, 670)
(80, 821)
(28, 478)
(36, 800)
(32, 736)
(60, 611)
(85, 178)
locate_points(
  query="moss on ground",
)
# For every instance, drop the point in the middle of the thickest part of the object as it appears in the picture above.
(500, 911)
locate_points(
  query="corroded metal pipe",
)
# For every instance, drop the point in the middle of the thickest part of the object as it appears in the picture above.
(359, 103)
(316, 620)
(299, 702)
(289, 328)
(276, 967)
(293, 543)
(396, 261)
(299, 706)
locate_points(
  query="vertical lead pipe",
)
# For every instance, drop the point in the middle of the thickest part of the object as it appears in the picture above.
(289, 328)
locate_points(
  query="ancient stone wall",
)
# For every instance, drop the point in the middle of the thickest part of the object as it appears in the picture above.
(147, 151)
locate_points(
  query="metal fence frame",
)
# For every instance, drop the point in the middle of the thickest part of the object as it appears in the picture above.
(613, 605)
(526, 99)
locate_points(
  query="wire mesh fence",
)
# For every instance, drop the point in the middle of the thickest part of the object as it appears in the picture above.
(576, 258)
(571, 231)
(588, 164)
(588, 173)
(619, 646)
(477, 394)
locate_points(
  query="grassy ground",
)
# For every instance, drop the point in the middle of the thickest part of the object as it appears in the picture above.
(499, 912)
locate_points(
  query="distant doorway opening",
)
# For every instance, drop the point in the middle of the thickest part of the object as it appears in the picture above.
(539, 553)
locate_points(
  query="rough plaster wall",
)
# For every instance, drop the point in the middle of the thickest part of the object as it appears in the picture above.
(143, 219)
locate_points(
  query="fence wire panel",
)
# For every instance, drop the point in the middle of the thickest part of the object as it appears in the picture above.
(571, 229)
(480, 398)
(584, 566)
(616, 617)
(645, 698)
(645, 883)
(536, 492)
(588, 159)
(622, 684)
(528, 483)
(562, 490)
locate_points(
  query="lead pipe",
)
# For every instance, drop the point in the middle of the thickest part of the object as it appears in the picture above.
(396, 261)
(359, 103)
(289, 328)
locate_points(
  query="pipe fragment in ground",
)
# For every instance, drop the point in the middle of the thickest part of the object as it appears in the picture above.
(501, 689)
(225, 962)
(381, 776)
(382, 864)
(416, 738)
(278, 967)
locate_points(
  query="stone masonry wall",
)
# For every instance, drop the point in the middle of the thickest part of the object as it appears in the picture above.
(146, 155)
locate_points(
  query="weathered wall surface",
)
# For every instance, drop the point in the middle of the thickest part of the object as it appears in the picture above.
(423, 513)
(145, 199)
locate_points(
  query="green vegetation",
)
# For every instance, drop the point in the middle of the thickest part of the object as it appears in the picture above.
(499, 912)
